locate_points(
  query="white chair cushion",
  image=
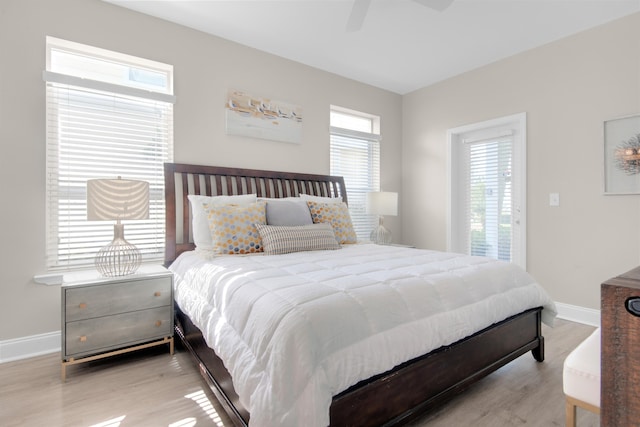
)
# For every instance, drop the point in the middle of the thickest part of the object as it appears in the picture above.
(581, 374)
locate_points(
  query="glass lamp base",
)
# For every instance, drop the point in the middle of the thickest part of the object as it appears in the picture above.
(381, 236)
(118, 258)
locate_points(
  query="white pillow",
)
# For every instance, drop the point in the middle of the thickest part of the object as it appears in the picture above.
(320, 199)
(200, 222)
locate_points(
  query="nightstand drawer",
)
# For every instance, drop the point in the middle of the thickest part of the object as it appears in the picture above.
(104, 333)
(95, 301)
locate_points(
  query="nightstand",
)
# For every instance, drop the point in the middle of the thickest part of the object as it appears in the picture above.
(105, 316)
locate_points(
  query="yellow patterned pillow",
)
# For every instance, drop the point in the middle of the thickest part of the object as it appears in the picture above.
(336, 214)
(232, 227)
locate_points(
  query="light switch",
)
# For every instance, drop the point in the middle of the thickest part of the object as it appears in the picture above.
(554, 199)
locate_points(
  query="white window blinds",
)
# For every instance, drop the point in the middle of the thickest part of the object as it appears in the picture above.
(103, 129)
(355, 155)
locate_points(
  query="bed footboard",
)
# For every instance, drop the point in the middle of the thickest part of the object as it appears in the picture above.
(417, 386)
(404, 393)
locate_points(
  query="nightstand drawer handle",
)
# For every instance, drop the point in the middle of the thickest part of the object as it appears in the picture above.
(157, 293)
(83, 338)
(158, 322)
(83, 305)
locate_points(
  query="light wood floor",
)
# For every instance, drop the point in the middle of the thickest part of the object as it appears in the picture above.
(152, 388)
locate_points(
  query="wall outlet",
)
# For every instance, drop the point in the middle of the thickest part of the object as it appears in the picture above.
(554, 199)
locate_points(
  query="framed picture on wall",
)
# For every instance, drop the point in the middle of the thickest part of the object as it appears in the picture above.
(622, 155)
(258, 117)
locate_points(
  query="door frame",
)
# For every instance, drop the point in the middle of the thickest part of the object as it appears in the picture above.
(517, 122)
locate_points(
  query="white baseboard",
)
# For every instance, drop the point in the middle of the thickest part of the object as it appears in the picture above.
(574, 313)
(37, 345)
(31, 346)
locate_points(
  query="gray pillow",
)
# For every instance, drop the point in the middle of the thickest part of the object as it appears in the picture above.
(289, 211)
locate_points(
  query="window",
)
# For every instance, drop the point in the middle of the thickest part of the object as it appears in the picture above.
(355, 155)
(108, 115)
(488, 189)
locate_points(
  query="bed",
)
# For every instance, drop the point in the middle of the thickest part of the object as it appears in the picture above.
(392, 396)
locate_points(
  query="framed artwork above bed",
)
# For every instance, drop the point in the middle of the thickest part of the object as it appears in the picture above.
(264, 118)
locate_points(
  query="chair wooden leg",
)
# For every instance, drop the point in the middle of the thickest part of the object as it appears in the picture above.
(570, 411)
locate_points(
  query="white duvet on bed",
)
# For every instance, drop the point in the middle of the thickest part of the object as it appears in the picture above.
(294, 330)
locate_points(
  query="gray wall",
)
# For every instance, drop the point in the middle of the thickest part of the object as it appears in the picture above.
(568, 89)
(205, 68)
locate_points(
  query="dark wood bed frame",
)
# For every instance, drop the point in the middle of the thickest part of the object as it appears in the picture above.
(391, 398)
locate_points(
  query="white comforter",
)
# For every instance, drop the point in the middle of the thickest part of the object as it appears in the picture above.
(294, 330)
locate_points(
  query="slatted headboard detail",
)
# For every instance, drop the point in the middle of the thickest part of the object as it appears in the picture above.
(180, 180)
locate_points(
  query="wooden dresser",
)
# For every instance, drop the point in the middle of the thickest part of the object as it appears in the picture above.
(620, 391)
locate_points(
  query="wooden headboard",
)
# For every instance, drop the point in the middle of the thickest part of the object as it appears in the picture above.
(180, 180)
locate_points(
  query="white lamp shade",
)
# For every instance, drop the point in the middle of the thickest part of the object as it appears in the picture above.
(382, 203)
(117, 199)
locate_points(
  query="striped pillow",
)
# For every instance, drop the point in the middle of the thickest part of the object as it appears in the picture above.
(279, 239)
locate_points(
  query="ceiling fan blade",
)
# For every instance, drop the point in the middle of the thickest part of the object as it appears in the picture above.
(358, 12)
(438, 5)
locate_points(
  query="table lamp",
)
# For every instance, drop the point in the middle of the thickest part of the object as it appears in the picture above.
(117, 199)
(382, 203)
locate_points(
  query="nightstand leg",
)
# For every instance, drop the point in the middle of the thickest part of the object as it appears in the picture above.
(63, 372)
(171, 346)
